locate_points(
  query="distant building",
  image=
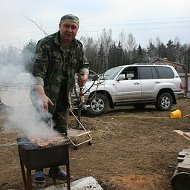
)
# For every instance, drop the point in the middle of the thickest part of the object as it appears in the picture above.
(180, 68)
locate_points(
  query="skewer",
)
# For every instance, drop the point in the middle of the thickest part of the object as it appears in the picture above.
(183, 134)
(7, 145)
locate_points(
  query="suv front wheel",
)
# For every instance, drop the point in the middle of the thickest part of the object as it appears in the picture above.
(164, 102)
(98, 105)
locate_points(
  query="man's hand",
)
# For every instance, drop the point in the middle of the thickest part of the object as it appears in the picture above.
(45, 100)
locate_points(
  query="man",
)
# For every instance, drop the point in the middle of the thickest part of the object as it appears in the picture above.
(58, 57)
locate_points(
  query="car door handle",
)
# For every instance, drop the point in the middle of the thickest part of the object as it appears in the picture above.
(136, 83)
(157, 82)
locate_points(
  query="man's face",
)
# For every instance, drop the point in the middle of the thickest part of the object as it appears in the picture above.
(68, 31)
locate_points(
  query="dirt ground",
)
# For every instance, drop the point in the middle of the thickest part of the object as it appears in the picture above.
(130, 149)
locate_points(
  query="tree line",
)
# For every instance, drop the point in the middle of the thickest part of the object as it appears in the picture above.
(104, 52)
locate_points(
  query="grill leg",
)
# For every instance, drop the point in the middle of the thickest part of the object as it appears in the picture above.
(29, 179)
(26, 179)
(68, 177)
(54, 174)
(23, 174)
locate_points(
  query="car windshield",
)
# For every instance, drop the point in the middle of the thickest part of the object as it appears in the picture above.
(110, 74)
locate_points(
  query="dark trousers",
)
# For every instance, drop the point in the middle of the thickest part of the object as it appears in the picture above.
(61, 111)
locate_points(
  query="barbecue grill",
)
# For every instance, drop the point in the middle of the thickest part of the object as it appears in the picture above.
(34, 157)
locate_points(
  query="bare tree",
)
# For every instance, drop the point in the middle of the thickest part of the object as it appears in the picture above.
(106, 41)
(131, 42)
(130, 47)
(123, 39)
(39, 27)
(91, 52)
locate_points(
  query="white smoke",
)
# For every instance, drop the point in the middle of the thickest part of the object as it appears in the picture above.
(24, 120)
(15, 86)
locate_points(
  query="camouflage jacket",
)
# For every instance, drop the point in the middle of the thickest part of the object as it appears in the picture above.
(49, 63)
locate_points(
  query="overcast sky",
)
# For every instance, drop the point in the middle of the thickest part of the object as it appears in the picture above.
(145, 19)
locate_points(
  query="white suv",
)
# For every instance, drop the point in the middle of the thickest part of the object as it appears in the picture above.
(136, 85)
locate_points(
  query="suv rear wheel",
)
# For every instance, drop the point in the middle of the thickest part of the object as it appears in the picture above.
(164, 102)
(98, 105)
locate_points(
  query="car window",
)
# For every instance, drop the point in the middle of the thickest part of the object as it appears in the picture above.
(111, 73)
(165, 72)
(130, 73)
(147, 73)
